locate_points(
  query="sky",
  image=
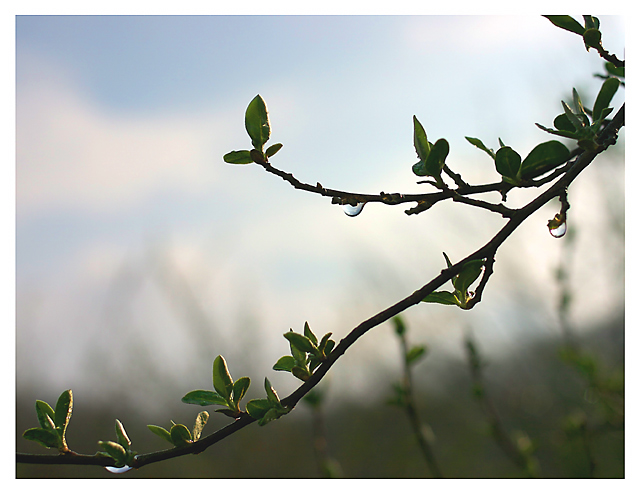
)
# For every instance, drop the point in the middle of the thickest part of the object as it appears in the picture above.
(136, 244)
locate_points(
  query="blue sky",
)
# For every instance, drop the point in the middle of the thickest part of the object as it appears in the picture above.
(121, 127)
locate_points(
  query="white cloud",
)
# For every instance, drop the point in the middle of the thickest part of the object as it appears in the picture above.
(71, 153)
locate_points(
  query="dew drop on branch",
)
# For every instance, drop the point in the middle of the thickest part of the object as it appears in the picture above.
(558, 231)
(350, 210)
(119, 470)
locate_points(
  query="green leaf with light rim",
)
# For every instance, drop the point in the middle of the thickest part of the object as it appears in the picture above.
(180, 435)
(257, 408)
(222, 381)
(420, 142)
(240, 387)
(256, 122)
(121, 435)
(204, 398)
(301, 342)
(201, 421)
(44, 437)
(115, 451)
(160, 432)
(444, 298)
(272, 396)
(44, 410)
(285, 363)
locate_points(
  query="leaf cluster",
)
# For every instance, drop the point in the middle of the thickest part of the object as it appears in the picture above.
(179, 434)
(256, 122)
(119, 450)
(432, 155)
(306, 353)
(460, 296)
(53, 423)
(227, 392)
(514, 170)
(574, 123)
(269, 409)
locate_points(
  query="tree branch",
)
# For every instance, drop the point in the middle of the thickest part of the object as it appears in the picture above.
(606, 138)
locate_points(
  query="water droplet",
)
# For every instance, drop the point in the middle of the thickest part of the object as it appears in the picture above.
(557, 226)
(350, 210)
(123, 469)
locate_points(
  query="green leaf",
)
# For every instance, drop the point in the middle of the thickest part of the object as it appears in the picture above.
(613, 70)
(257, 408)
(445, 298)
(480, 145)
(607, 91)
(238, 157)
(180, 435)
(415, 353)
(419, 169)
(508, 162)
(437, 156)
(309, 334)
(121, 435)
(329, 347)
(285, 363)
(273, 149)
(576, 121)
(323, 343)
(563, 133)
(234, 414)
(543, 157)
(44, 437)
(222, 381)
(591, 22)
(420, 142)
(201, 421)
(301, 342)
(501, 143)
(240, 387)
(272, 396)
(204, 398)
(592, 38)
(468, 275)
(561, 122)
(115, 451)
(301, 373)
(566, 22)
(256, 121)
(161, 432)
(64, 407)
(578, 106)
(272, 414)
(45, 414)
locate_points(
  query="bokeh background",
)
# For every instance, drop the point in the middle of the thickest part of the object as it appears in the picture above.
(141, 255)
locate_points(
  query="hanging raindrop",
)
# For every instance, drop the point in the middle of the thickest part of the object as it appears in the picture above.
(119, 470)
(350, 210)
(557, 226)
